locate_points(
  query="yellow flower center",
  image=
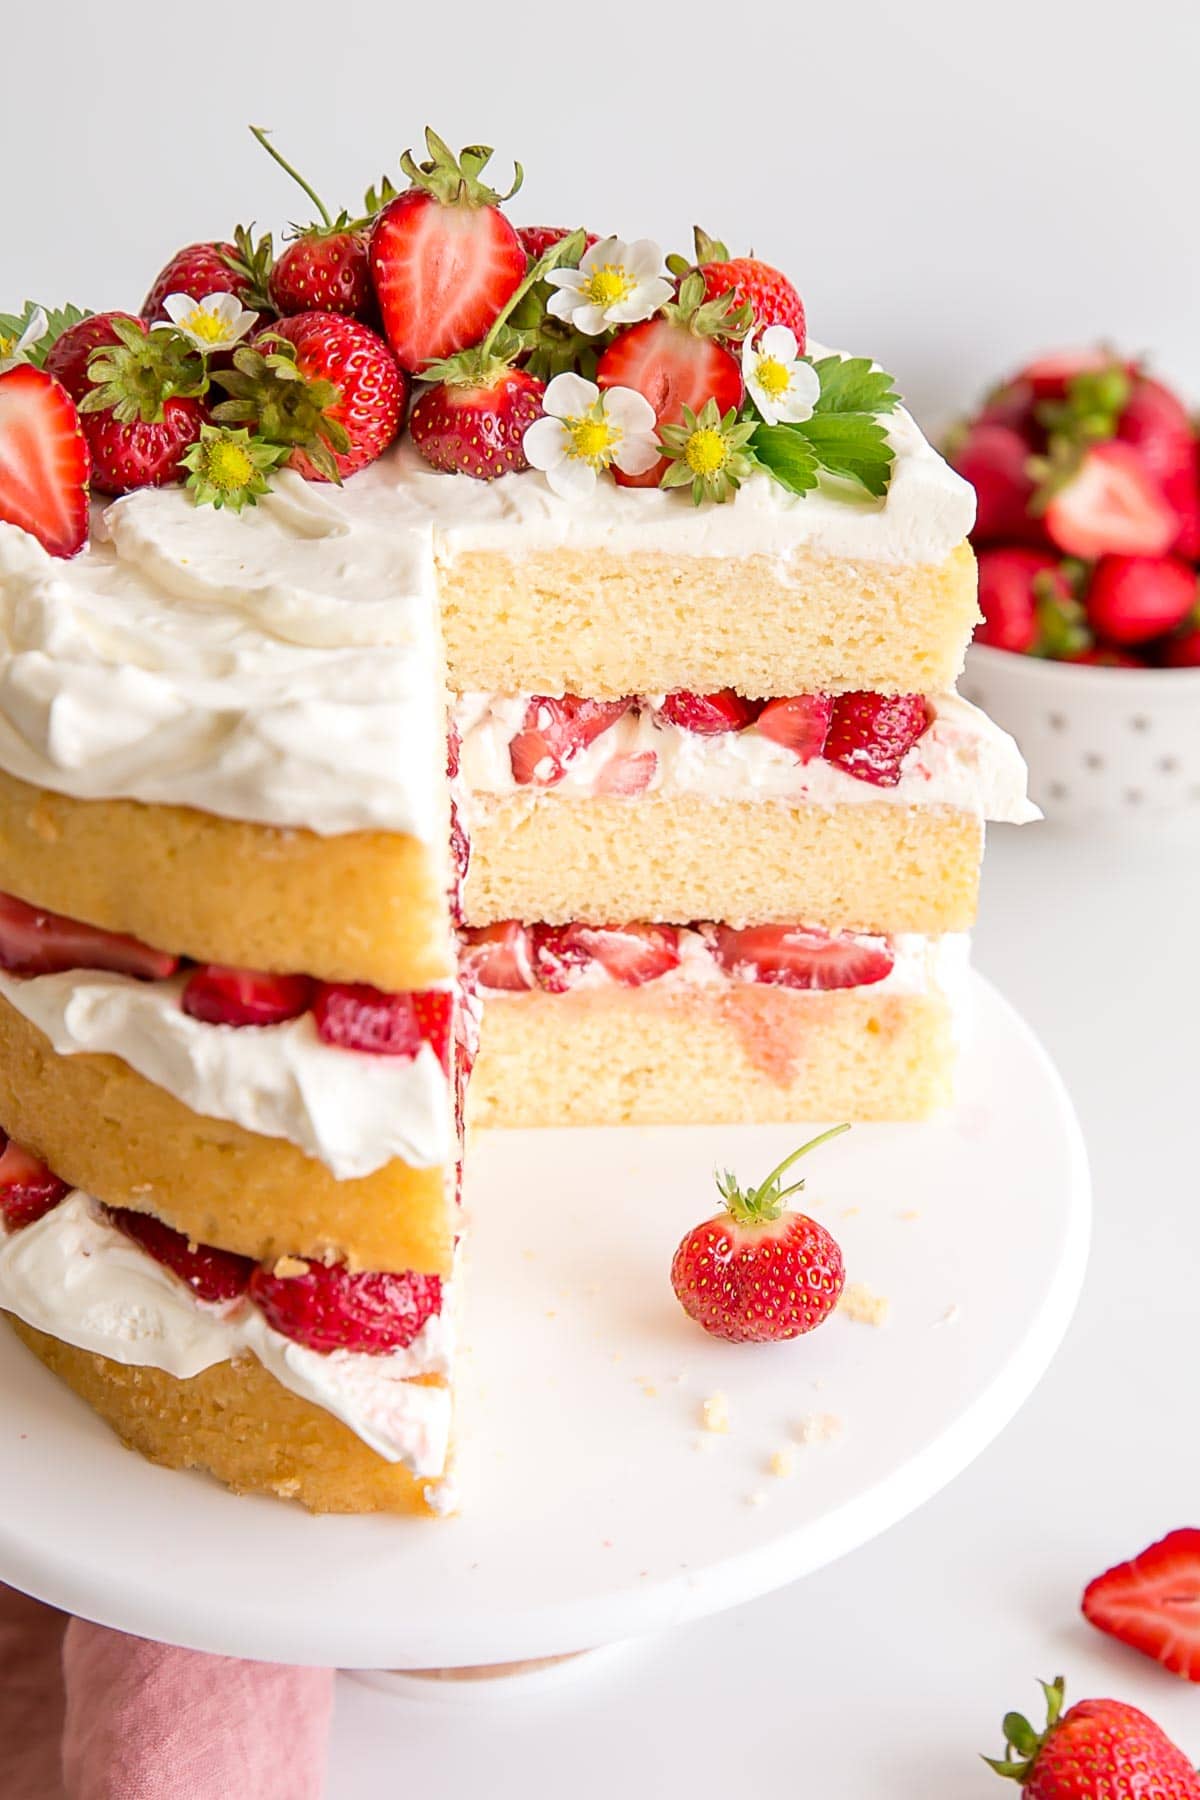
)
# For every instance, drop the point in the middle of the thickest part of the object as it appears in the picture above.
(608, 283)
(772, 377)
(705, 452)
(592, 439)
(229, 467)
(7, 345)
(205, 325)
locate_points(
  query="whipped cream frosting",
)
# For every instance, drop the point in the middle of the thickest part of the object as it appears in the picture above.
(963, 760)
(73, 1275)
(282, 665)
(350, 1110)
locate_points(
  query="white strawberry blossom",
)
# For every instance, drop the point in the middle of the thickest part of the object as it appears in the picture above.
(783, 386)
(615, 284)
(16, 350)
(217, 322)
(587, 429)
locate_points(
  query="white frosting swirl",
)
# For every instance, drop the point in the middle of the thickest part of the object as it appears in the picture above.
(963, 760)
(76, 1277)
(350, 1110)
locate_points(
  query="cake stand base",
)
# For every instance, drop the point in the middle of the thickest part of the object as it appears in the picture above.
(596, 1506)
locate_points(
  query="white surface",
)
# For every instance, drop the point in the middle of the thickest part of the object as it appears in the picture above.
(591, 1513)
(950, 185)
(1097, 741)
(883, 1676)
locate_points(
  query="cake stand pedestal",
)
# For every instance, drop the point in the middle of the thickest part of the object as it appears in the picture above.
(596, 1505)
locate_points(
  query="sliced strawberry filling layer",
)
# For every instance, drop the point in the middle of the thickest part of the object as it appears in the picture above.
(868, 735)
(325, 1309)
(515, 958)
(352, 1016)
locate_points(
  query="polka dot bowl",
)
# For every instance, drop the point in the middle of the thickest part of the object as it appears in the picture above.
(1114, 743)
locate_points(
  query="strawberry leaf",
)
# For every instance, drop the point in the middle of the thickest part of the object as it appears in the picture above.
(853, 384)
(785, 455)
(58, 320)
(851, 445)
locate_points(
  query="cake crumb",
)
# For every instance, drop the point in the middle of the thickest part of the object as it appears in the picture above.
(704, 1441)
(550, 1313)
(289, 1266)
(951, 1316)
(864, 1307)
(650, 1391)
(851, 1212)
(714, 1412)
(757, 1498)
(908, 1216)
(782, 1464)
(817, 1428)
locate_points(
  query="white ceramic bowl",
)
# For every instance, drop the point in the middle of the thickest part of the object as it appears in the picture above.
(1115, 742)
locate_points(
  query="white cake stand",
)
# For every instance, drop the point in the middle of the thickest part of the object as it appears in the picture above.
(595, 1506)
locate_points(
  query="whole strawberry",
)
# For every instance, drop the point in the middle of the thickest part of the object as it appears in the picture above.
(445, 260)
(240, 268)
(770, 296)
(324, 384)
(325, 267)
(1098, 1750)
(144, 408)
(69, 356)
(759, 1273)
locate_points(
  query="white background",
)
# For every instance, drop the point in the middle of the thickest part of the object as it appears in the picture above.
(952, 186)
(951, 183)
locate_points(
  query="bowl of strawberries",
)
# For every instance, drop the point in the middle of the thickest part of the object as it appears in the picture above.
(1086, 470)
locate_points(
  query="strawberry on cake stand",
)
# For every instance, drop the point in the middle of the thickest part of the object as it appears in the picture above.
(490, 757)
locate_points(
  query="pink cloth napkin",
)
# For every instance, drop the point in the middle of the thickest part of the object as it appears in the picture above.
(89, 1714)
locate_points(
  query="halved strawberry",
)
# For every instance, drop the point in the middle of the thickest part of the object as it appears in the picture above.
(223, 996)
(800, 723)
(794, 956)
(709, 714)
(213, 1275)
(331, 1309)
(631, 954)
(555, 731)
(1110, 503)
(626, 774)
(356, 1016)
(871, 734)
(1152, 1602)
(28, 1189)
(498, 956)
(444, 258)
(675, 360)
(44, 460)
(36, 942)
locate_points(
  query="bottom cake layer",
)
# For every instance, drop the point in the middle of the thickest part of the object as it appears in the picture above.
(236, 1422)
(740, 1053)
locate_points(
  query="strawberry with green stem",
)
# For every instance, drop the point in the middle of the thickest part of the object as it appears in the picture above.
(771, 297)
(241, 268)
(144, 407)
(325, 267)
(1096, 1750)
(472, 420)
(759, 1272)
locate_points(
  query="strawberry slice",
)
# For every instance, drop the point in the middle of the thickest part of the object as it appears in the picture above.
(213, 1275)
(800, 723)
(35, 942)
(224, 996)
(497, 956)
(355, 1016)
(794, 956)
(626, 774)
(630, 954)
(44, 460)
(28, 1189)
(331, 1309)
(1111, 504)
(871, 734)
(709, 714)
(555, 731)
(444, 258)
(675, 360)
(1152, 1602)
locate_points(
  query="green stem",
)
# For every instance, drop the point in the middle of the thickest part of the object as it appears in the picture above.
(549, 259)
(263, 137)
(812, 1144)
